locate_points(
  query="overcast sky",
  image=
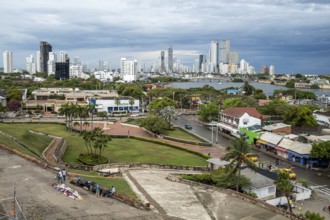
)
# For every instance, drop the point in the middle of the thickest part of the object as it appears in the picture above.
(293, 35)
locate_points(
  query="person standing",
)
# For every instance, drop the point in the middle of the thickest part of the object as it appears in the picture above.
(60, 176)
(97, 190)
(64, 173)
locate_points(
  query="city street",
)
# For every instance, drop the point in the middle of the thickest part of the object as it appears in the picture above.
(315, 177)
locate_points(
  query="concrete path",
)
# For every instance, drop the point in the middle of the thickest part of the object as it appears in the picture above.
(194, 203)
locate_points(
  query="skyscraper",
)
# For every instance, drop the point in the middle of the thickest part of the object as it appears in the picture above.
(63, 56)
(52, 63)
(233, 57)
(45, 48)
(214, 55)
(200, 62)
(7, 61)
(38, 61)
(129, 70)
(30, 64)
(224, 51)
(170, 59)
(162, 61)
(62, 70)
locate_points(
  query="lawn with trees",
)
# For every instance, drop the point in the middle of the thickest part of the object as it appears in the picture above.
(119, 150)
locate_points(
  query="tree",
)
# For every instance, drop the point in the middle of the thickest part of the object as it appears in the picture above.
(299, 116)
(239, 152)
(3, 109)
(14, 94)
(91, 109)
(155, 124)
(274, 107)
(81, 112)
(13, 105)
(313, 216)
(101, 141)
(168, 113)
(64, 110)
(285, 186)
(248, 89)
(321, 150)
(208, 112)
(233, 102)
(117, 102)
(131, 102)
(158, 104)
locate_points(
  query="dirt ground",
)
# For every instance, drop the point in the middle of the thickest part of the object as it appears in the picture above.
(41, 201)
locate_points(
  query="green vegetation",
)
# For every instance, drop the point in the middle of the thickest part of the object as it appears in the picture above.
(321, 150)
(180, 134)
(314, 216)
(10, 143)
(35, 142)
(208, 112)
(285, 186)
(118, 151)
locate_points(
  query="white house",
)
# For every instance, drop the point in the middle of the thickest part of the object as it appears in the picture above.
(232, 119)
(322, 118)
(262, 186)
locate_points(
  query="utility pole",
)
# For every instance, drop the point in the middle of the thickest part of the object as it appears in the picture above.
(216, 140)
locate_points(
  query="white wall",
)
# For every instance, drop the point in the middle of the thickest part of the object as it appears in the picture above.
(102, 105)
(322, 119)
(251, 121)
(266, 192)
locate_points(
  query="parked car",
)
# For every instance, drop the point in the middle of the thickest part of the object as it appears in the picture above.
(253, 158)
(291, 174)
(188, 126)
(212, 124)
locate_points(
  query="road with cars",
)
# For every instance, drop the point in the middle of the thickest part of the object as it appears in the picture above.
(316, 177)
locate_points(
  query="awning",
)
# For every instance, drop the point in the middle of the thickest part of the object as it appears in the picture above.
(280, 149)
(261, 142)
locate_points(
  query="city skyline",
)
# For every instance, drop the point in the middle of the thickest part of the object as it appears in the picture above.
(290, 34)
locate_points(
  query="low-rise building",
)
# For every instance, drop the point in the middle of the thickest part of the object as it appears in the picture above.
(232, 119)
(322, 117)
(278, 128)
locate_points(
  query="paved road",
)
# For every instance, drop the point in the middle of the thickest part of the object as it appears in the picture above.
(314, 177)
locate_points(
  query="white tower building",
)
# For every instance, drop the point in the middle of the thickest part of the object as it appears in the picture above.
(38, 61)
(30, 66)
(129, 70)
(272, 70)
(63, 56)
(214, 55)
(51, 63)
(7, 61)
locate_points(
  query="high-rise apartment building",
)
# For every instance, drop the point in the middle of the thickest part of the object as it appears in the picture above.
(170, 60)
(52, 63)
(7, 61)
(162, 61)
(271, 70)
(38, 61)
(201, 60)
(63, 56)
(62, 70)
(214, 55)
(224, 51)
(233, 57)
(129, 70)
(45, 48)
(30, 66)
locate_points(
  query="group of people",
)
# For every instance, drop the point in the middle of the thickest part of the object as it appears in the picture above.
(61, 176)
(95, 187)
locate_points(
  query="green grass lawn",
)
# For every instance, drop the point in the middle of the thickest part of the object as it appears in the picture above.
(118, 150)
(118, 182)
(180, 134)
(35, 142)
(10, 143)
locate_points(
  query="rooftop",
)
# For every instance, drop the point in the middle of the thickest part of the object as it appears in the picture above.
(275, 126)
(239, 111)
(257, 180)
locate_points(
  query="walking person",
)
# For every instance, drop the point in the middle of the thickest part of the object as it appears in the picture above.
(97, 190)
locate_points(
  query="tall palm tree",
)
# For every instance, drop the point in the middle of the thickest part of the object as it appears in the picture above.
(117, 102)
(131, 102)
(285, 186)
(64, 110)
(239, 153)
(91, 109)
(81, 112)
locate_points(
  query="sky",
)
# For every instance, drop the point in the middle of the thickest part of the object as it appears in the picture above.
(292, 35)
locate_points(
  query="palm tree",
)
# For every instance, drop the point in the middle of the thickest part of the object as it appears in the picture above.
(131, 102)
(168, 113)
(91, 109)
(117, 102)
(285, 185)
(64, 110)
(238, 153)
(81, 112)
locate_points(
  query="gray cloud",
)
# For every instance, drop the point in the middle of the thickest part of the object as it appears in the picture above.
(292, 34)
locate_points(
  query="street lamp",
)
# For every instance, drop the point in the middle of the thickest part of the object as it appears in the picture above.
(173, 96)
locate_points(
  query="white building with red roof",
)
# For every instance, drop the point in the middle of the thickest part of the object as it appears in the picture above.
(232, 119)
